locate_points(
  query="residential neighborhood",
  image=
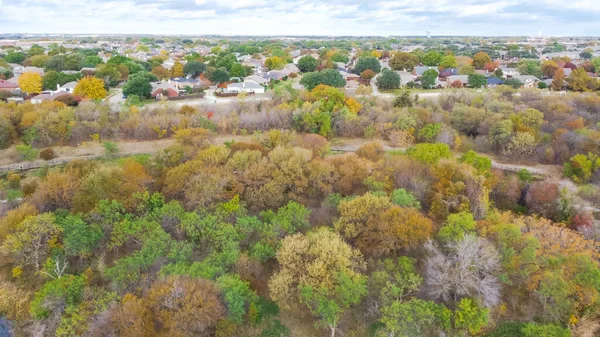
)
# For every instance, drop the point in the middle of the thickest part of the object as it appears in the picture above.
(41, 69)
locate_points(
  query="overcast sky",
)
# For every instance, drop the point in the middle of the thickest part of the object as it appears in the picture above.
(303, 17)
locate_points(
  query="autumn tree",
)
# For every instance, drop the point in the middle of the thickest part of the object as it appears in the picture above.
(183, 306)
(161, 72)
(403, 61)
(177, 69)
(30, 82)
(448, 61)
(312, 260)
(274, 62)
(579, 80)
(558, 80)
(90, 87)
(480, 59)
(32, 241)
(549, 68)
(394, 230)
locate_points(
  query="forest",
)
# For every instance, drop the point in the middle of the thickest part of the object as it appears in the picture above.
(256, 222)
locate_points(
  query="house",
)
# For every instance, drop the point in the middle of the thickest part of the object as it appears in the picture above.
(494, 81)
(291, 68)
(8, 86)
(19, 70)
(47, 96)
(67, 87)
(351, 76)
(529, 81)
(448, 72)
(405, 77)
(463, 79)
(257, 79)
(419, 70)
(182, 82)
(510, 72)
(164, 89)
(246, 87)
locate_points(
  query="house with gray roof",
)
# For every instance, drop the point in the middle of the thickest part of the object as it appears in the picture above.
(246, 87)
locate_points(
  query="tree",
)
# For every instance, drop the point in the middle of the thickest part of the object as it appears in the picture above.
(586, 55)
(274, 62)
(307, 64)
(432, 58)
(39, 60)
(530, 68)
(219, 76)
(466, 70)
(468, 267)
(177, 69)
(558, 80)
(448, 61)
(31, 244)
(480, 59)
(313, 260)
(160, 72)
(367, 62)
(194, 68)
(412, 318)
(388, 80)
(428, 78)
(237, 70)
(15, 57)
(477, 81)
(429, 153)
(184, 307)
(139, 84)
(579, 80)
(397, 229)
(31, 82)
(329, 77)
(56, 62)
(367, 74)
(514, 83)
(329, 304)
(549, 68)
(470, 317)
(90, 87)
(403, 61)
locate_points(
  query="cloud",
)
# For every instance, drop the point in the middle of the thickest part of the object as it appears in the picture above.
(302, 17)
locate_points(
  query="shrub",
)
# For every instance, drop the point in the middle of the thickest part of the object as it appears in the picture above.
(110, 148)
(27, 152)
(47, 154)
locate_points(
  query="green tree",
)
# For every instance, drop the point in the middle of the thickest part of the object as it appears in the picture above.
(219, 76)
(412, 318)
(194, 68)
(329, 77)
(388, 80)
(307, 64)
(428, 78)
(79, 237)
(477, 81)
(432, 58)
(139, 84)
(456, 227)
(448, 61)
(237, 70)
(404, 198)
(514, 83)
(329, 304)
(429, 153)
(367, 62)
(470, 317)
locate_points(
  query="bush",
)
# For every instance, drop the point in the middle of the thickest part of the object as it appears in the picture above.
(404, 198)
(110, 148)
(47, 154)
(27, 152)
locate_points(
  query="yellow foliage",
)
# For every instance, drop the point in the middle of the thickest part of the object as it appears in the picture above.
(90, 87)
(31, 82)
(29, 118)
(353, 105)
(177, 69)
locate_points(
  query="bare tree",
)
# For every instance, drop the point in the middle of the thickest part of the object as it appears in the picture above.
(465, 268)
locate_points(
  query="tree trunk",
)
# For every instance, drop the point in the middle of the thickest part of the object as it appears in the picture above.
(333, 329)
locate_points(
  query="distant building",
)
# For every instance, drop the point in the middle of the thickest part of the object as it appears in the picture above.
(246, 87)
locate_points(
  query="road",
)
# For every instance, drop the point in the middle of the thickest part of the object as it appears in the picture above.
(210, 99)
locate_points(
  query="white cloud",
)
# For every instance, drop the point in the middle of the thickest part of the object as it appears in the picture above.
(237, 4)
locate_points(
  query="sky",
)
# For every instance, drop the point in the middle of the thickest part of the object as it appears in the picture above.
(303, 17)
